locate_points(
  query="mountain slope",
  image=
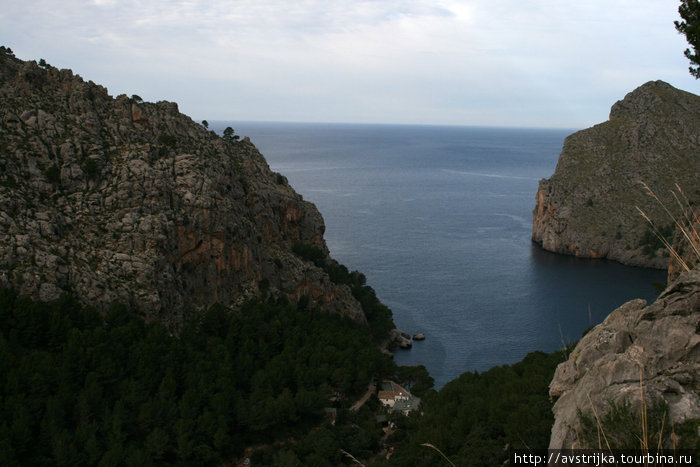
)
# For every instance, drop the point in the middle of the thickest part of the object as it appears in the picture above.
(118, 199)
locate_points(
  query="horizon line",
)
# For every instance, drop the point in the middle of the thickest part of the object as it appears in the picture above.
(443, 125)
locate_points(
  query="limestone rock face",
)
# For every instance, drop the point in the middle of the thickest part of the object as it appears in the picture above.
(588, 207)
(658, 344)
(117, 199)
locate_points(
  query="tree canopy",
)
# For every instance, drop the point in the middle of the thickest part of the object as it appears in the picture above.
(690, 27)
(79, 388)
(230, 134)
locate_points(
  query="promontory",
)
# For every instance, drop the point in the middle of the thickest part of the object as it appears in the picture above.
(588, 208)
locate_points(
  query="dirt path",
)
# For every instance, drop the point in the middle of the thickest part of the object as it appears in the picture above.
(361, 401)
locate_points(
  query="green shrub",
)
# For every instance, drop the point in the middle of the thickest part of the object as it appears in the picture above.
(53, 174)
(309, 253)
(167, 140)
(90, 168)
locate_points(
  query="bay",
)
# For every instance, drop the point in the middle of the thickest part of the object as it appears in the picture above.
(439, 220)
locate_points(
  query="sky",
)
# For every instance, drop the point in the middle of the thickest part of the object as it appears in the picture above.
(522, 63)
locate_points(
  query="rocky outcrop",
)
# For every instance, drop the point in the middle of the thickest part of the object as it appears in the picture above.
(398, 340)
(656, 347)
(117, 199)
(588, 207)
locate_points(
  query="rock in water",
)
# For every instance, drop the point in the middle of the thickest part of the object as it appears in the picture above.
(399, 339)
(588, 207)
(118, 199)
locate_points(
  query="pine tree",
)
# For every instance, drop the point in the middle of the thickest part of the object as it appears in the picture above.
(690, 27)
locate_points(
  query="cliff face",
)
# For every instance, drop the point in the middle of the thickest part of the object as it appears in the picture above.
(117, 199)
(588, 207)
(657, 345)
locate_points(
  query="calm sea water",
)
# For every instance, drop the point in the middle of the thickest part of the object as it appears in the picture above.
(439, 220)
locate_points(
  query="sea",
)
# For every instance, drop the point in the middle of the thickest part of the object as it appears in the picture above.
(439, 220)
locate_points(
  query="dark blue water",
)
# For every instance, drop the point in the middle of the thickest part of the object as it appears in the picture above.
(439, 220)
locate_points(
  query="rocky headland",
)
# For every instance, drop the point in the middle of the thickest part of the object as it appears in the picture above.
(116, 199)
(588, 208)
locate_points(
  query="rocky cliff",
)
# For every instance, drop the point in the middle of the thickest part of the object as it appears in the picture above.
(119, 199)
(638, 351)
(588, 207)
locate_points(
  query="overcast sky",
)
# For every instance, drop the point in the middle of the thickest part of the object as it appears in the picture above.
(530, 63)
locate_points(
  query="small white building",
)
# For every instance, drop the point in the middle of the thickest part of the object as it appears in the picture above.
(397, 398)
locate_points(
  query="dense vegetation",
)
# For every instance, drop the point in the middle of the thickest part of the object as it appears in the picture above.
(272, 382)
(80, 388)
(474, 419)
(77, 388)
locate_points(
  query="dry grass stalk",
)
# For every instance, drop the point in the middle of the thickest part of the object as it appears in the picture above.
(643, 412)
(660, 445)
(428, 445)
(663, 240)
(685, 224)
(347, 454)
(600, 427)
(564, 347)
(674, 436)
